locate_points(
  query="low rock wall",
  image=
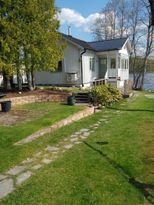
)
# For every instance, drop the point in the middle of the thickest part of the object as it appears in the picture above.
(38, 98)
(73, 118)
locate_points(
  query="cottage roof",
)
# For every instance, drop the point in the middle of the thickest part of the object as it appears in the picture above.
(108, 45)
(79, 42)
(98, 46)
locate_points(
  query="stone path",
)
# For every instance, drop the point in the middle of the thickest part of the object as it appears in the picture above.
(18, 174)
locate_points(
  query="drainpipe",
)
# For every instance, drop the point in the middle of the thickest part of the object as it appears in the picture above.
(82, 66)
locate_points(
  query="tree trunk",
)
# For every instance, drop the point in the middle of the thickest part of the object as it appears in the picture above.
(33, 78)
(12, 83)
(19, 79)
(29, 79)
(5, 81)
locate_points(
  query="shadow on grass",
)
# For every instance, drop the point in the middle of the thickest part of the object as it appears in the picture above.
(138, 185)
(132, 110)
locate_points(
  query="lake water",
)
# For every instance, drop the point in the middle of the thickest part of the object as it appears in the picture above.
(149, 81)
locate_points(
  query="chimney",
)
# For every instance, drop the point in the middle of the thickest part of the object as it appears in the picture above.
(69, 31)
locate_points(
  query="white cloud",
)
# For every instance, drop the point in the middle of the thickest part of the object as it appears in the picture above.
(71, 17)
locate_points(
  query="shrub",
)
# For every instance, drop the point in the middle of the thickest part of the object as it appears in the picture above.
(104, 95)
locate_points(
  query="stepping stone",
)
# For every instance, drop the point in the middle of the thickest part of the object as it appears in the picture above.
(16, 170)
(52, 149)
(86, 134)
(79, 142)
(47, 161)
(84, 130)
(23, 177)
(83, 137)
(69, 146)
(38, 154)
(27, 161)
(36, 167)
(95, 127)
(72, 136)
(74, 139)
(77, 133)
(6, 187)
(2, 177)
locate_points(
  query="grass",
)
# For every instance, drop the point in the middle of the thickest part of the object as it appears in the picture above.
(112, 167)
(53, 112)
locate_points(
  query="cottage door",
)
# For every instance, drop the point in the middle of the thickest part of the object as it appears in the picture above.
(102, 67)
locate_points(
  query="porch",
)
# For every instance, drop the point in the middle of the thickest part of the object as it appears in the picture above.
(113, 66)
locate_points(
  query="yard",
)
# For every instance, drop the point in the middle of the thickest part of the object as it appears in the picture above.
(23, 121)
(113, 166)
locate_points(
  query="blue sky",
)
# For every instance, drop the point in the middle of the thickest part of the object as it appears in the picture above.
(80, 15)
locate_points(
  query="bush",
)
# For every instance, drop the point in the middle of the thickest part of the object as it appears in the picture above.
(104, 95)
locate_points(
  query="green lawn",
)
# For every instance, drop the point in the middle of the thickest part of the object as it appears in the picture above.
(53, 112)
(112, 167)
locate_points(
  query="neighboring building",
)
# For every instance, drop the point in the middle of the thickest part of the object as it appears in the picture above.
(86, 63)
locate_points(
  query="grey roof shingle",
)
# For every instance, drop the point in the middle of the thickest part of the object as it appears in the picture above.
(108, 45)
(98, 46)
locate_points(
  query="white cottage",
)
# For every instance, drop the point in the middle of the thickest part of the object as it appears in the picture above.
(86, 63)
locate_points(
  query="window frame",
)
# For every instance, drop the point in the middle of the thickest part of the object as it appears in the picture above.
(92, 63)
(111, 63)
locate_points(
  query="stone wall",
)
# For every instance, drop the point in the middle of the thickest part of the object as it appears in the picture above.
(38, 98)
(69, 120)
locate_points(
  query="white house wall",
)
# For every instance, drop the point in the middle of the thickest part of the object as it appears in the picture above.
(89, 75)
(71, 64)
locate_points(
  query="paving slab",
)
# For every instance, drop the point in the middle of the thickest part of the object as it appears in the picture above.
(83, 137)
(79, 142)
(47, 161)
(6, 187)
(84, 130)
(16, 170)
(23, 177)
(86, 134)
(52, 149)
(38, 154)
(74, 139)
(37, 166)
(27, 161)
(77, 133)
(68, 146)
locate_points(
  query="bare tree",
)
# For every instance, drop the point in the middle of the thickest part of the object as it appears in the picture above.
(129, 18)
(112, 22)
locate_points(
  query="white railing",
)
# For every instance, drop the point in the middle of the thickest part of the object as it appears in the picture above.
(100, 81)
(112, 73)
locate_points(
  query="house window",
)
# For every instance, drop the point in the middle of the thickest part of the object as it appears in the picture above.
(59, 67)
(113, 63)
(123, 63)
(92, 64)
